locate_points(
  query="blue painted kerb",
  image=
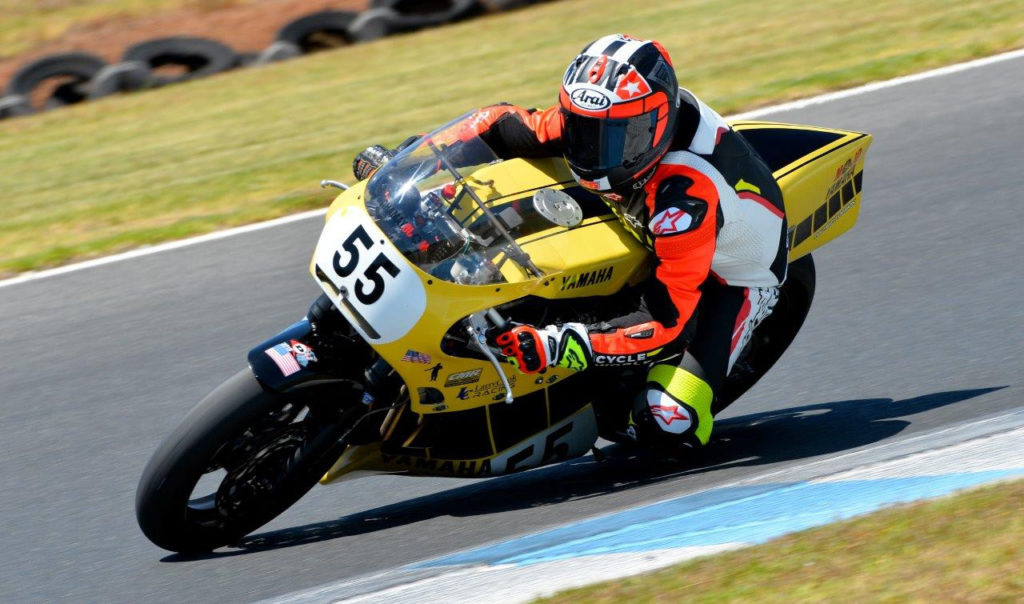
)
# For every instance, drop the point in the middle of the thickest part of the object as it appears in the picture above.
(747, 514)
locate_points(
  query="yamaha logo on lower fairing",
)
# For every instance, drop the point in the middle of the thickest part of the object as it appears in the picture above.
(590, 99)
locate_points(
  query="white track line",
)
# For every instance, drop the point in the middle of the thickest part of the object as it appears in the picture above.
(757, 113)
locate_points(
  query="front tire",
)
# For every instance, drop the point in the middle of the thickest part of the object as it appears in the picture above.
(261, 450)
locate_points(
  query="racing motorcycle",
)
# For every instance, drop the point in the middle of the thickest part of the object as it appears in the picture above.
(391, 370)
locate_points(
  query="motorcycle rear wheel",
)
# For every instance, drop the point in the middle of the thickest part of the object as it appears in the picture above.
(262, 450)
(775, 334)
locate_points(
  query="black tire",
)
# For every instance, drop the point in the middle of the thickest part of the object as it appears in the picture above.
(198, 57)
(14, 105)
(278, 51)
(319, 31)
(428, 13)
(269, 459)
(496, 6)
(122, 77)
(374, 24)
(75, 67)
(774, 335)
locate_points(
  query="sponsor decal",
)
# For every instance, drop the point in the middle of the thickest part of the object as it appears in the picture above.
(462, 378)
(632, 86)
(586, 279)
(590, 99)
(621, 359)
(490, 389)
(841, 196)
(291, 356)
(411, 356)
(436, 369)
(641, 335)
(671, 220)
(589, 184)
(450, 467)
(613, 196)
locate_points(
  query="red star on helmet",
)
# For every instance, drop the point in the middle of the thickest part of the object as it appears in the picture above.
(668, 413)
(632, 85)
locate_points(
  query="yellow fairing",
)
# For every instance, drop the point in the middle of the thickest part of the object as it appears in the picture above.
(818, 169)
(820, 172)
(594, 258)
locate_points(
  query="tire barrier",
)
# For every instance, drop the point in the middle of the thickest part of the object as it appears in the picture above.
(84, 76)
(77, 68)
(319, 31)
(122, 77)
(496, 6)
(278, 51)
(14, 105)
(198, 57)
(432, 12)
(373, 24)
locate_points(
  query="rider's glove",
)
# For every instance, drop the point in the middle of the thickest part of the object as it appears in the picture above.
(375, 156)
(369, 159)
(532, 349)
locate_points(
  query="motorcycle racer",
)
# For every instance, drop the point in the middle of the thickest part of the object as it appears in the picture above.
(689, 188)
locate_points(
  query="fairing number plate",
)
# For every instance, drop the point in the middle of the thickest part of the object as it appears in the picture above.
(367, 278)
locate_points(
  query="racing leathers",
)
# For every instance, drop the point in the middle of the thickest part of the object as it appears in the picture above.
(713, 215)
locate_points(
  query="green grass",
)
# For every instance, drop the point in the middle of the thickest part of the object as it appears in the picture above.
(25, 24)
(251, 145)
(967, 548)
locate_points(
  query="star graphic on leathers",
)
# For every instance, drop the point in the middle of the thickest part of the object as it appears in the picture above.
(669, 222)
(668, 413)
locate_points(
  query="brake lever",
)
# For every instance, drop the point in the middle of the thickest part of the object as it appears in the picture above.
(477, 330)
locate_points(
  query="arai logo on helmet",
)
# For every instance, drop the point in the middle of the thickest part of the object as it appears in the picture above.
(591, 99)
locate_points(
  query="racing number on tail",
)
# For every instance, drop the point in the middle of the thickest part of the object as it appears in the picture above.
(367, 294)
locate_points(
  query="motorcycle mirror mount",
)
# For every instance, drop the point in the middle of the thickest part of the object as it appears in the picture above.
(333, 183)
(558, 207)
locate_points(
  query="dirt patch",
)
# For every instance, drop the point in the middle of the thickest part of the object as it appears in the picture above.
(246, 28)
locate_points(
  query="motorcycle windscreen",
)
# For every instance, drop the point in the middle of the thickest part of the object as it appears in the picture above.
(438, 207)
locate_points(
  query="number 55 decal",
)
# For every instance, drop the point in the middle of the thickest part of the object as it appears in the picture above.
(373, 285)
(372, 272)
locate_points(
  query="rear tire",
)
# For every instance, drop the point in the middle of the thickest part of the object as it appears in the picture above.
(774, 335)
(271, 449)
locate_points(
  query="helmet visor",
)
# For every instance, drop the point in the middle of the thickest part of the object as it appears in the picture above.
(597, 144)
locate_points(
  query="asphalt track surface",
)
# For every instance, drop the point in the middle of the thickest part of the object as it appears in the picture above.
(917, 325)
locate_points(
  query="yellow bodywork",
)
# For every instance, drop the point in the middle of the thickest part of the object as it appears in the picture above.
(821, 189)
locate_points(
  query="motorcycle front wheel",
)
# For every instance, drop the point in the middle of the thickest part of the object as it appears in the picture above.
(241, 457)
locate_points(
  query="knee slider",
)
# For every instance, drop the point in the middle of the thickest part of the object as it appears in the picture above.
(678, 403)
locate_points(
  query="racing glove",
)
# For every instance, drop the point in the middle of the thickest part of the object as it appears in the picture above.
(532, 349)
(369, 159)
(373, 157)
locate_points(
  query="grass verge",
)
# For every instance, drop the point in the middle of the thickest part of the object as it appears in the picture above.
(251, 145)
(965, 548)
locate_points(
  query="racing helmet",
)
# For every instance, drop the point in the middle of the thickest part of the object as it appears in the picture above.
(620, 104)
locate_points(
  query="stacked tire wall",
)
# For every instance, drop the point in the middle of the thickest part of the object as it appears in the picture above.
(67, 78)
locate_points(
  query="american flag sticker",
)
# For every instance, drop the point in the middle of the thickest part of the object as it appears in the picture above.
(412, 356)
(283, 358)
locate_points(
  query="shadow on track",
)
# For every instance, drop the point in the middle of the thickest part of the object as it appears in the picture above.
(749, 440)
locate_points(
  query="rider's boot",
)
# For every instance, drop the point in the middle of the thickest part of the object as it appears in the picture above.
(673, 411)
